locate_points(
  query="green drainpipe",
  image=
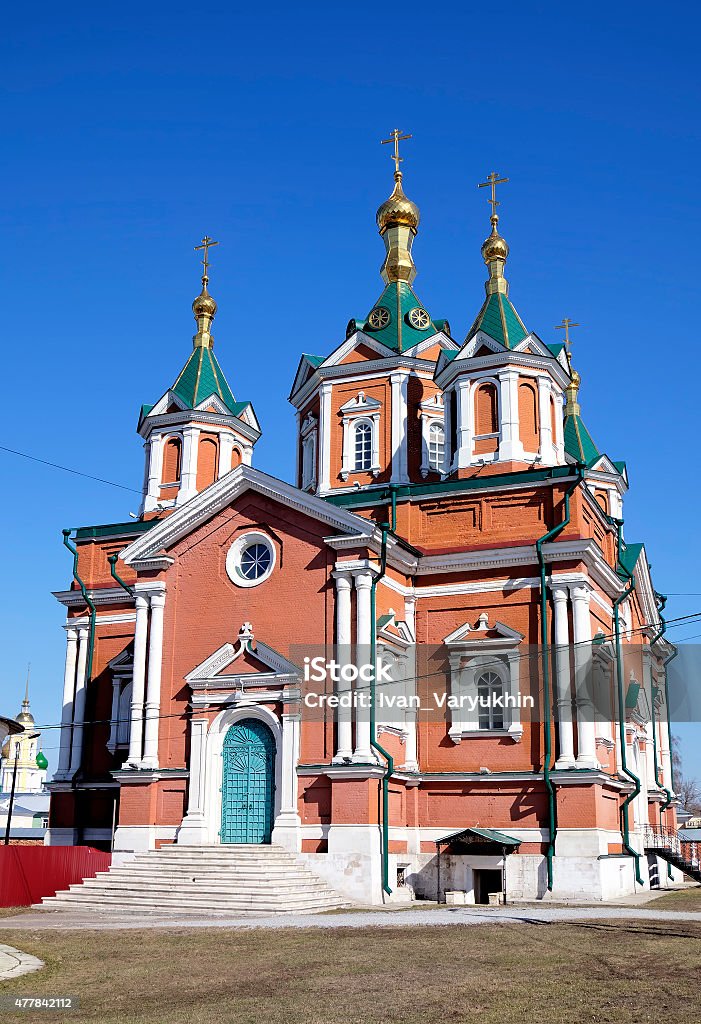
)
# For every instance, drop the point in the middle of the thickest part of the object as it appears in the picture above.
(373, 730)
(89, 603)
(547, 707)
(115, 576)
(625, 829)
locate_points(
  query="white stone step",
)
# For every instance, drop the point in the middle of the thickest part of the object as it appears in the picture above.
(203, 880)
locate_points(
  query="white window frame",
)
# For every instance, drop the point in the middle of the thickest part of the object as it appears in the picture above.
(362, 446)
(235, 553)
(360, 410)
(432, 412)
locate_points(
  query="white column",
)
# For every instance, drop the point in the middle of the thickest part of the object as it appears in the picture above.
(136, 727)
(188, 482)
(465, 424)
(548, 456)
(79, 703)
(363, 584)
(410, 615)
(586, 731)
(192, 830)
(344, 739)
(324, 438)
(411, 757)
(64, 756)
(226, 447)
(247, 455)
(400, 460)
(563, 690)
(154, 455)
(153, 686)
(114, 715)
(510, 447)
(558, 439)
(287, 831)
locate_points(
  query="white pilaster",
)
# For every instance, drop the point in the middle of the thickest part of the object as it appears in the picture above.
(344, 740)
(548, 455)
(410, 615)
(226, 447)
(363, 584)
(510, 447)
(137, 685)
(400, 459)
(64, 756)
(465, 431)
(324, 438)
(79, 703)
(154, 454)
(188, 483)
(586, 730)
(193, 830)
(153, 686)
(411, 757)
(562, 679)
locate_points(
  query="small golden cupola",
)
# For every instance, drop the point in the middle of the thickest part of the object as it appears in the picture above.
(495, 250)
(398, 221)
(204, 307)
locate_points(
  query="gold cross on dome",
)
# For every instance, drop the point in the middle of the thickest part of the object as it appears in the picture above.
(565, 326)
(396, 137)
(206, 244)
(492, 181)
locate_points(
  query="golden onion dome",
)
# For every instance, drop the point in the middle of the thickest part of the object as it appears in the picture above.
(494, 247)
(204, 304)
(25, 718)
(398, 209)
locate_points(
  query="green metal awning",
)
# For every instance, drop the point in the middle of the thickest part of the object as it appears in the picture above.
(475, 835)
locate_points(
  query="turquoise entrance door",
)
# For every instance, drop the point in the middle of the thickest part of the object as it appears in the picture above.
(247, 783)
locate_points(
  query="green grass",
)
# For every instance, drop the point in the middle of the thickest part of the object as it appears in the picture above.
(613, 972)
(682, 899)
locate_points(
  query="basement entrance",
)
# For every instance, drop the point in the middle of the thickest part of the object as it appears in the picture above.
(478, 842)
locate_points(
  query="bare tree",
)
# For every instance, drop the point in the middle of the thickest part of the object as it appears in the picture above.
(688, 789)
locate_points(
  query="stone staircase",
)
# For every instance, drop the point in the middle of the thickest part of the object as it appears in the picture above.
(668, 844)
(191, 880)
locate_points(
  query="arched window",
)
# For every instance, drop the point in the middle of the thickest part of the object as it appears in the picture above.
(207, 459)
(486, 410)
(489, 689)
(528, 416)
(436, 447)
(172, 461)
(362, 447)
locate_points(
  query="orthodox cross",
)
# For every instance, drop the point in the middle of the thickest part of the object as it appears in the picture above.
(206, 244)
(396, 137)
(565, 326)
(492, 181)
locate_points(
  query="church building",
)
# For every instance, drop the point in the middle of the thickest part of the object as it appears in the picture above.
(454, 535)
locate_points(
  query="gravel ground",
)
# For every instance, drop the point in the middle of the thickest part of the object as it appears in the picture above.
(40, 920)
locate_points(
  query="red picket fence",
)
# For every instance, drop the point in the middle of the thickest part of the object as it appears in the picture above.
(28, 873)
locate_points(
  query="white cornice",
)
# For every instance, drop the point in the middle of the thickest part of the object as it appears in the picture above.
(110, 595)
(182, 418)
(225, 490)
(358, 372)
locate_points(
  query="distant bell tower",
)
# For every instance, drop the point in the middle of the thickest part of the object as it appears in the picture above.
(30, 777)
(197, 432)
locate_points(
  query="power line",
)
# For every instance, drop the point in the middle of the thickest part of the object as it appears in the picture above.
(68, 469)
(185, 712)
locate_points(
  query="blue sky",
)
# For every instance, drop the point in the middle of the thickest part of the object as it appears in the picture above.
(130, 131)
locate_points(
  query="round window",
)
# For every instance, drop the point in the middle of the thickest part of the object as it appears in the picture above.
(250, 560)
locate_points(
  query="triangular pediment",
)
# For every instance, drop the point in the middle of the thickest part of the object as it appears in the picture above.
(482, 633)
(394, 631)
(222, 493)
(246, 662)
(123, 662)
(360, 404)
